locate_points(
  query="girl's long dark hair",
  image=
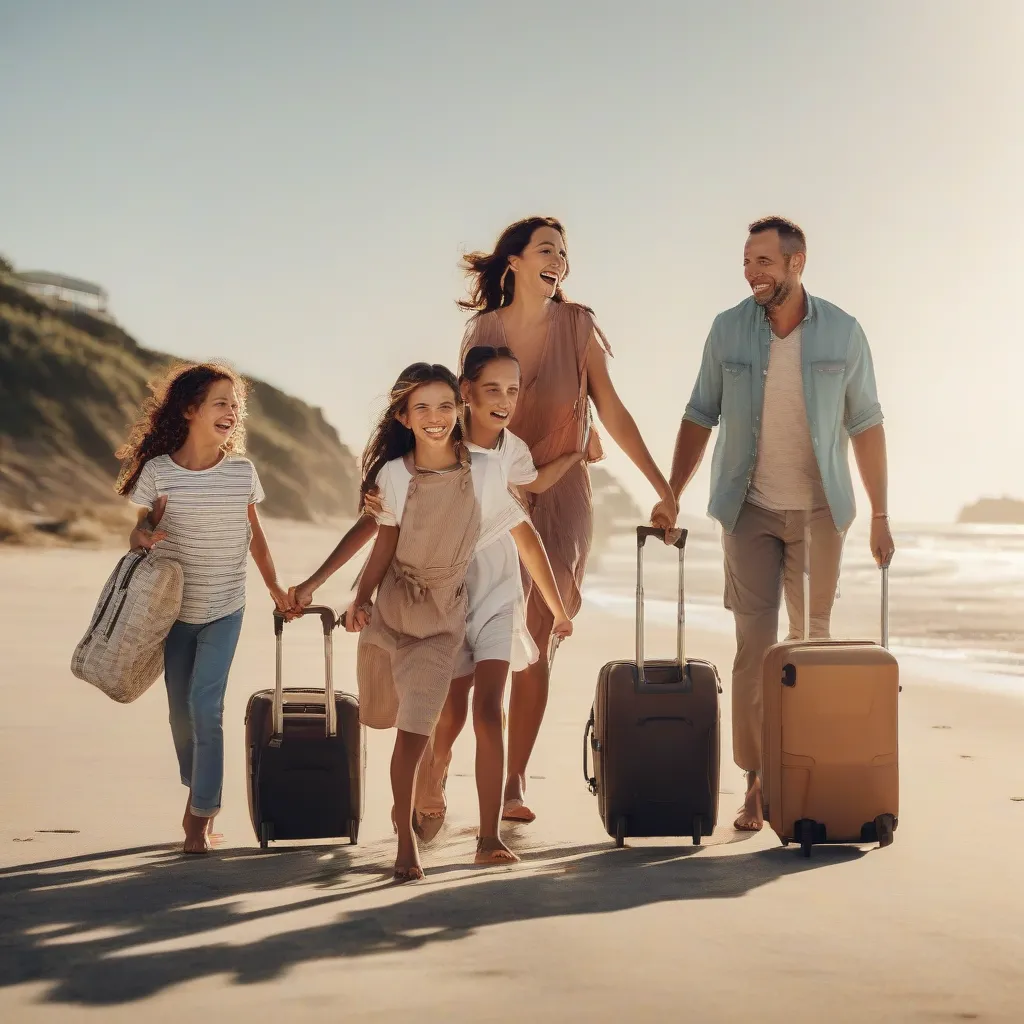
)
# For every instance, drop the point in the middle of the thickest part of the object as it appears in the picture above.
(391, 439)
(162, 428)
(489, 286)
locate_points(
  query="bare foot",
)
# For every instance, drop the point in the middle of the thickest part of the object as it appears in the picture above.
(751, 814)
(491, 850)
(196, 839)
(215, 838)
(407, 862)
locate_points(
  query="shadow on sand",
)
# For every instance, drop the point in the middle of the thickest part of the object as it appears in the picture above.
(83, 924)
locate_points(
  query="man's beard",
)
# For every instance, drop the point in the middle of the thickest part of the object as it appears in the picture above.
(782, 291)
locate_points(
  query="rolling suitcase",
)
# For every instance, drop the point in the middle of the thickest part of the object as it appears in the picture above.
(654, 731)
(830, 751)
(305, 754)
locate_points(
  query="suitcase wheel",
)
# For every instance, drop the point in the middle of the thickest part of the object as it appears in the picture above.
(266, 834)
(353, 832)
(885, 825)
(805, 833)
(620, 831)
(698, 829)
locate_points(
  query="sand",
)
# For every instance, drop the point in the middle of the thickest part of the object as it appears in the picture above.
(100, 919)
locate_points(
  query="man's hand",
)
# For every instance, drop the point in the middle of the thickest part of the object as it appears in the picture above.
(663, 517)
(882, 545)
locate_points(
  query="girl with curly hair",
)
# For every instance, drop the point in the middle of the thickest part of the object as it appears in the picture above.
(184, 465)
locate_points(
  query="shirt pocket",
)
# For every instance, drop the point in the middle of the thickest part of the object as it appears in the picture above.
(736, 392)
(828, 390)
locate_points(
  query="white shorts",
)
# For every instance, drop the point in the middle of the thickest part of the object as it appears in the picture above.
(491, 642)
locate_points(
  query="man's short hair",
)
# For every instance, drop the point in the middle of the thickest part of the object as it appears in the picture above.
(791, 236)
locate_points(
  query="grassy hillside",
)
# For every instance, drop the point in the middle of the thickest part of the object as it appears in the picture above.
(70, 384)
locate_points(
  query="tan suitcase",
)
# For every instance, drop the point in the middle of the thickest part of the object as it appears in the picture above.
(830, 750)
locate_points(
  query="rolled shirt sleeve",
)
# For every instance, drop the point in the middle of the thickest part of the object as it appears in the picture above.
(862, 406)
(705, 405)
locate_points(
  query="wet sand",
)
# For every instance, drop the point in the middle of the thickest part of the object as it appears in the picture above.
(101, 919)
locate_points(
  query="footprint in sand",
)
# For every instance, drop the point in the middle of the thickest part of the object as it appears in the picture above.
(942, 727)
(58, 831)
(1017, 799)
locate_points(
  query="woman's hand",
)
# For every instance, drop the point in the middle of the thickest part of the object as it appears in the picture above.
(562, 628)
(357, 618)
(664, 516)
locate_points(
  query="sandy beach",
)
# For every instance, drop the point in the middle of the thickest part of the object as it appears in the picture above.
(101, 919)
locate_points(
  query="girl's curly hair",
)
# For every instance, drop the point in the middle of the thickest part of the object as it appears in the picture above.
(162, 428)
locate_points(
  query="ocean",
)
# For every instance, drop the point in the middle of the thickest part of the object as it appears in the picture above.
(956, 593)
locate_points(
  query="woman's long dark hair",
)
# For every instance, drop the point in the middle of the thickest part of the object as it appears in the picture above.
(391, 439)
(490, 287)
(162, 428)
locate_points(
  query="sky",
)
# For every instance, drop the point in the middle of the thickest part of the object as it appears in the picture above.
(291, 188)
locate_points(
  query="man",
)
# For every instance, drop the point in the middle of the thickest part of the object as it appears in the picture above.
(787, 378)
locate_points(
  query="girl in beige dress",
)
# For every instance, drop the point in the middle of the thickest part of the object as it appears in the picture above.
(438, 507)
(516, 295)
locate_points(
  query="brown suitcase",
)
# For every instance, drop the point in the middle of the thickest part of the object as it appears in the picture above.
(830, 750)
(654, 731)
(305, 754)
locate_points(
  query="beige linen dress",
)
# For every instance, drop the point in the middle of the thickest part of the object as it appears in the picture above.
(407, 651)
(553, 417)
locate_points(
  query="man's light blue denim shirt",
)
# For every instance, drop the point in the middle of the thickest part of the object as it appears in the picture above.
(839, 392)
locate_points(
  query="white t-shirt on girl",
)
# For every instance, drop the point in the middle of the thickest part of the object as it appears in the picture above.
(499, 511)
(494, 580)
(207, 525)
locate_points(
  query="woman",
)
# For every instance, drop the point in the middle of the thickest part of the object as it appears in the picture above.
(516, 295)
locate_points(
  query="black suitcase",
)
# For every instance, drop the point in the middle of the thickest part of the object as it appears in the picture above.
(654, 732)
(305, 753)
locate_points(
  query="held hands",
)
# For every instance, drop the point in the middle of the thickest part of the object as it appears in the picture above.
(663, 517)
(300, 597)
(882, 545)
(282, 599)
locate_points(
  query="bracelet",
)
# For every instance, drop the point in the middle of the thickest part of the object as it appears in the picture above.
(880, 515)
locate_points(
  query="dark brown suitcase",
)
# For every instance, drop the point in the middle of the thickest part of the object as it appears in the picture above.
(305, 754)
(654, 732)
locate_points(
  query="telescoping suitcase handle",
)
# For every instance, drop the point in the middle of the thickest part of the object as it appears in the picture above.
(642, 533)
(807, 590)
(329, 621)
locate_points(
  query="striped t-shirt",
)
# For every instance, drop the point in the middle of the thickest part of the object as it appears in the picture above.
(207, 525)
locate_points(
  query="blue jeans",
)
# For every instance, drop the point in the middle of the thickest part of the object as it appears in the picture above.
(197, 659)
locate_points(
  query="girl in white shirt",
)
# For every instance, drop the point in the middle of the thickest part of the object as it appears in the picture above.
(440, 504)
(496, 635)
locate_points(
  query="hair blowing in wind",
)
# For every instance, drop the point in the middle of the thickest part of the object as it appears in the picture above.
(162, 428)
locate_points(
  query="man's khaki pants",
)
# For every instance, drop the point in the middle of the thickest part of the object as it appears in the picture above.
(764, 558)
